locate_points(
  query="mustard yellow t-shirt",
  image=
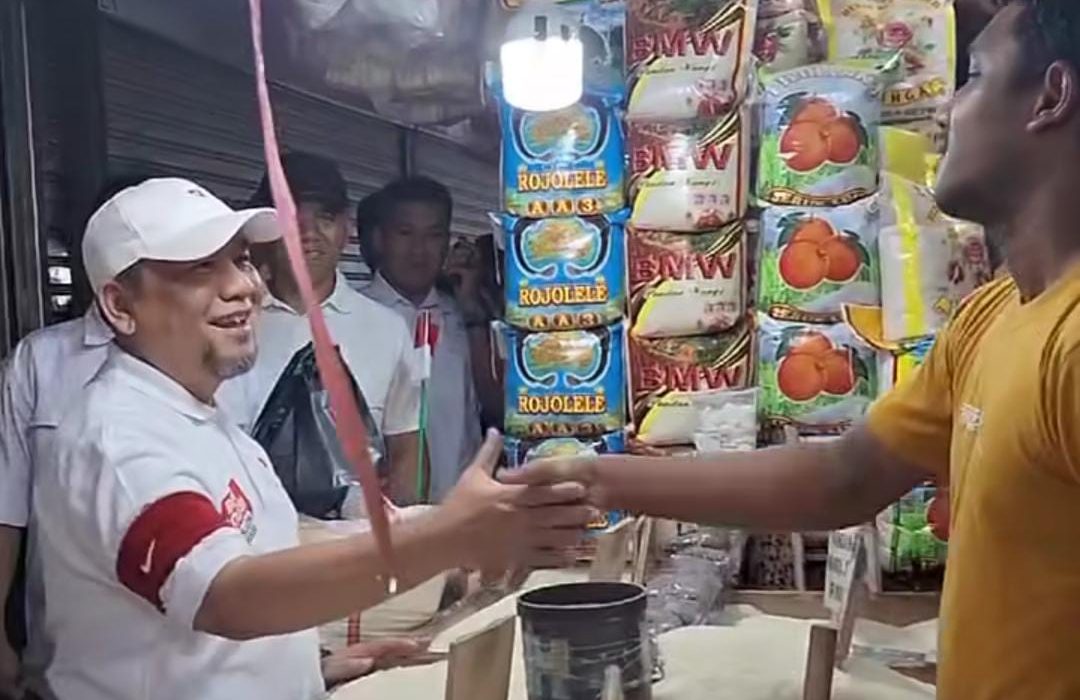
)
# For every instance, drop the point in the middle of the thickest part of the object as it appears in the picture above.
(996, 410)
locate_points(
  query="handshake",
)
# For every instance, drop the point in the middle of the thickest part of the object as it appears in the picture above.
(528, 518)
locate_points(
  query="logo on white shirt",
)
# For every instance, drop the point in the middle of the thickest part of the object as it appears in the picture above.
(236, 508)
(971, 418)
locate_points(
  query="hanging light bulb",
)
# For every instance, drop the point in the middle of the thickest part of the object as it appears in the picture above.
(542, 59)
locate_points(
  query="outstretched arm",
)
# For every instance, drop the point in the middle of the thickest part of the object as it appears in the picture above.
(482, 525)
(815, 486)
(322, 582)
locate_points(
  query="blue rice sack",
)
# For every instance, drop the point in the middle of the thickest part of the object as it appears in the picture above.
(521, 452)
(568, 162)
(565, 383)
(564, 273)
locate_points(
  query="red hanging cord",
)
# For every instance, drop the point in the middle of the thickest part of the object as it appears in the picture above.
(350, 428)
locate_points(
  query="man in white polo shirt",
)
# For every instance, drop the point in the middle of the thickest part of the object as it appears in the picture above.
(165, 535)
(412, 241)
(375, 344)
(45, 374)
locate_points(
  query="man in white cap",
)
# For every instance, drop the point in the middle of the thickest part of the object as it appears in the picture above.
(166, 537)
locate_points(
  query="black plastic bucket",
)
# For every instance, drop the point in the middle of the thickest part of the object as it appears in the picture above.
(573, 632)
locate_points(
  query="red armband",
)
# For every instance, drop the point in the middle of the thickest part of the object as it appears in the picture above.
(159, 537)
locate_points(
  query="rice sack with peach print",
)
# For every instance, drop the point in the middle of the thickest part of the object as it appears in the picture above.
(819, 378)
(819, 135)
(688, 59)
(815, 260)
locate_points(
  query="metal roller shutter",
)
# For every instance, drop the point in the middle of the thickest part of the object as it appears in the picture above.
(473, 182)
(171, 110)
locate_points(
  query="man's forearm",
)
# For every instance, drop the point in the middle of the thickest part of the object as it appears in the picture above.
(404, 467)
(789, 488)
(308, 586)
(488, 389)
(10, 542)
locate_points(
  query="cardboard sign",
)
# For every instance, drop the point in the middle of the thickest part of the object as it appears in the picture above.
(842, 568)
(846, 588)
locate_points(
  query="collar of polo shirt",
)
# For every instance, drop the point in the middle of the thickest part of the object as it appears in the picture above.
(386, 290)
(95, 331)
(149, 380)
(338, 299)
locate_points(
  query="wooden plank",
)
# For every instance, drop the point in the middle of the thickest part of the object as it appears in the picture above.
(479, 664)
(642, 552)
(817, 683)
(612, 550)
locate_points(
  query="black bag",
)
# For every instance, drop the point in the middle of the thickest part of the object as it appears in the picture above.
(296, 428)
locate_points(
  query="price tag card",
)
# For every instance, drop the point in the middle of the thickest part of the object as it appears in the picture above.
(845, 585)
(841, 568)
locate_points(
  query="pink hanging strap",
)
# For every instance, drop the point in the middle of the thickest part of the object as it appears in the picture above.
(350, 427)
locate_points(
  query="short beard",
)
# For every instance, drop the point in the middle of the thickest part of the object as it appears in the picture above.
(228, 369)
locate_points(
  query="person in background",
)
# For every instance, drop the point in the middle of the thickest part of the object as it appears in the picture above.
(374, 342)
(367, 213)
(44, 375)
(170, 547)
(412, 244)
(995, 407)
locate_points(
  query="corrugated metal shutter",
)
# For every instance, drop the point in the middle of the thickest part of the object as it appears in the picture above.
(473, 182)
(174, 111)
(54, 202)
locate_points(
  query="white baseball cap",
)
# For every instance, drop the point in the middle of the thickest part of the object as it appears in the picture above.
(167, 219)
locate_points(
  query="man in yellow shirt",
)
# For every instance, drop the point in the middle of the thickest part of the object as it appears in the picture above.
(995, 410)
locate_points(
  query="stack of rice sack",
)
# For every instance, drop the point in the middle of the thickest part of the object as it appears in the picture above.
(928, 263)
(690, 339)
(924, 273)
(843, 235)
(564, 261)
(817, 184)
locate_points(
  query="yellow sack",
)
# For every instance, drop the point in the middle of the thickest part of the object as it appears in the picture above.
(922, 31)
(929, 261)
